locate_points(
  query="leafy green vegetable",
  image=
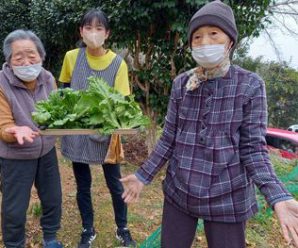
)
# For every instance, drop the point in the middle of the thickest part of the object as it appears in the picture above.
(98, 107)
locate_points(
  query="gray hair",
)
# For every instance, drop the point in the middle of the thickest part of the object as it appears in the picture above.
(21, 34)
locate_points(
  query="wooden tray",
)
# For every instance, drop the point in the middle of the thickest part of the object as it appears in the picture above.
(62, 132)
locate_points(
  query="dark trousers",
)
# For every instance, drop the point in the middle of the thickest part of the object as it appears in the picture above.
(179, 229)
(17, 177)
(112, 175)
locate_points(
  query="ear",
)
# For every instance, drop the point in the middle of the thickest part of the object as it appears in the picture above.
(231, 44)
(107, 34)
(81, 32)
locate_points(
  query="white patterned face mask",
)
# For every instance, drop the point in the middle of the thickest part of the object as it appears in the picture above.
(27, 73)
(209, 56)
(94, 39)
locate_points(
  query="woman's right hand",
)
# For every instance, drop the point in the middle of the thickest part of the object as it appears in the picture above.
(132, 188)
(22, 133)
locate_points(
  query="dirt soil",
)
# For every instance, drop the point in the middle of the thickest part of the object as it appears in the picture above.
(135, 149)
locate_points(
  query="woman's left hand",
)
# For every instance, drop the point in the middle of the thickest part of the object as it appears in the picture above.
(287, 214)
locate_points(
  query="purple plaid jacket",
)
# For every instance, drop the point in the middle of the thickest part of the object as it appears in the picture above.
(214, 141)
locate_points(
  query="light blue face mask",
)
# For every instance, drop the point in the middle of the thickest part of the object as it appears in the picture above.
(209, 56)
(27, 73)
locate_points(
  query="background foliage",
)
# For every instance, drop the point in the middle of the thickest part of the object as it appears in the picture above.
(281, 86)
(151, 35)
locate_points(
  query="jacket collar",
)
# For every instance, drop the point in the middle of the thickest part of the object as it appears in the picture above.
(15, 81)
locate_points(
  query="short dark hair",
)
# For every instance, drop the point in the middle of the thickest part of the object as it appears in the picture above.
(96, 14)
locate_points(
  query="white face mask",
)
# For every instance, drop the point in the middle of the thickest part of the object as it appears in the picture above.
(93, 39)
(27, 73)
(209, 56)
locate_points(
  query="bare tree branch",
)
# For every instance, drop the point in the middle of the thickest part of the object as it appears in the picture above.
(284, 3)
(284, 12)
(274, 46)
(285, 27)
(140, 85)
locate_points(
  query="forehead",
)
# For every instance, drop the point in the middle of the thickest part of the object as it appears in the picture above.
(206, 29)
(23, 46)
(93, 22)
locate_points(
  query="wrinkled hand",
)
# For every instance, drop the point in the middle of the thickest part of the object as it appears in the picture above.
(287, 214)
(22, 133)
(132, 188)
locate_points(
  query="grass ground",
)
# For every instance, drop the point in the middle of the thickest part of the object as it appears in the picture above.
(143, 218)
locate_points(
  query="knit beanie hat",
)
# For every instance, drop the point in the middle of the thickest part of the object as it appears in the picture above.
(217, 14)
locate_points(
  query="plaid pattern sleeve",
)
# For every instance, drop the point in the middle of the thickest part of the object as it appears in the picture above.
(164, 148)
(253, 151)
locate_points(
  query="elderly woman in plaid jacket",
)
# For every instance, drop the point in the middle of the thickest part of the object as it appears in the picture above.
(214, 140)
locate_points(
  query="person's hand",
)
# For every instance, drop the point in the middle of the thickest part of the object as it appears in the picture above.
(132, 188)
(22, 133)
(287, 214)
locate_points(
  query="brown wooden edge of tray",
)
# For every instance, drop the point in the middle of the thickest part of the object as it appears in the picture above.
(62, 132)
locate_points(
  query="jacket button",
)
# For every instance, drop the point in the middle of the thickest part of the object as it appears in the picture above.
(202, 141)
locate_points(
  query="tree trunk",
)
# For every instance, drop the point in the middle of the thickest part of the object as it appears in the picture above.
(151, 134)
